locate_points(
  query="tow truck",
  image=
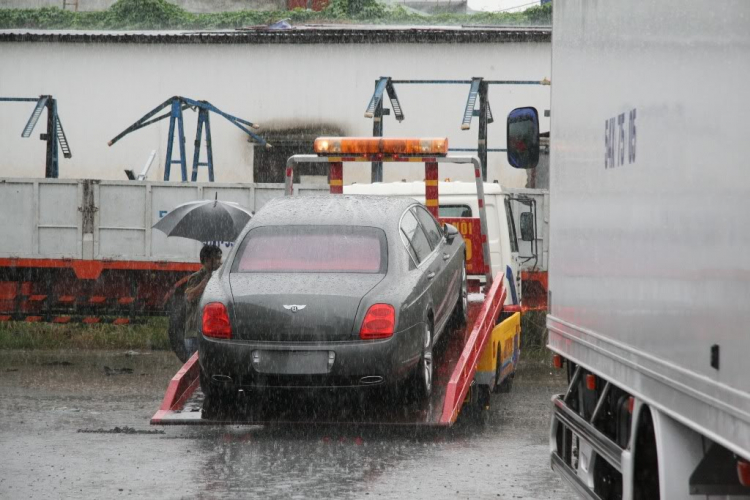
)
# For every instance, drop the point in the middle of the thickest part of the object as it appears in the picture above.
(472, 363)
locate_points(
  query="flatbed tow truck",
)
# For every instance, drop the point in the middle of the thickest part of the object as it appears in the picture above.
(470, 362)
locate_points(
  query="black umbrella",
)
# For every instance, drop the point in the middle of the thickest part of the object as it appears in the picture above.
(207, 220)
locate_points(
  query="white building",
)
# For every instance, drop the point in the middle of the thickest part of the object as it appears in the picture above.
(296, 83)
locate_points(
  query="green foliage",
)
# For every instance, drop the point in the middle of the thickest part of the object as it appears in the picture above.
(21, 335)
(540, 15)
(160, 14)
(146, 14)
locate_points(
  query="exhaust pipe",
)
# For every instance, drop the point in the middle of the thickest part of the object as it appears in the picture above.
(221, 378)
(370, 380)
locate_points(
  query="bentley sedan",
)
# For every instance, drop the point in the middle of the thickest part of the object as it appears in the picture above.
(332, 291)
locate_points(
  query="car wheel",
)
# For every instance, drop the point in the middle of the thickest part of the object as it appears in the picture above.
(461, 311)
(421, 382)
(218, 399)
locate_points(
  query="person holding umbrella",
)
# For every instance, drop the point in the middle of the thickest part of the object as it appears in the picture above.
(210, 257)
(205, 220)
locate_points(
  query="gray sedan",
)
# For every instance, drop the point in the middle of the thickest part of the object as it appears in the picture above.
(332, 291)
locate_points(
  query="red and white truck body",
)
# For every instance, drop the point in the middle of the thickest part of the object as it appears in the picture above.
(84, 250)
(649, 270)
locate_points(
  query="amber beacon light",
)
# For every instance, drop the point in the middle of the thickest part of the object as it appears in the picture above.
(434, 146)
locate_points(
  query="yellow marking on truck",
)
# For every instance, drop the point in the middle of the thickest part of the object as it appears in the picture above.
(502, 335)
(336, 182)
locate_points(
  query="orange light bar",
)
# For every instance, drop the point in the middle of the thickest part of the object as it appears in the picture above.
(381, 145)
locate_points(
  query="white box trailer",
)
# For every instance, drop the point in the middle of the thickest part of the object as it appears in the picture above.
(51, 218)
(75, 249)
(649, 272)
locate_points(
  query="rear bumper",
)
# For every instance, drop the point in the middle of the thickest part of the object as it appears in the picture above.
(381, 361)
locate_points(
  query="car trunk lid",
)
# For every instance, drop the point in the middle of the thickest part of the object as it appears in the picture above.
(297, 307)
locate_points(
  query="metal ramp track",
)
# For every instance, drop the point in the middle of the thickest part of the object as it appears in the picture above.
(377, 96)
(384, 85)
(62, 139)
(395, 104)
(469, 111)
(40, 104)
(471, 103)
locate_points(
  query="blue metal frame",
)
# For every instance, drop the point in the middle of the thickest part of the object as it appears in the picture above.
(55, 134)
(478, 90)
(177, 105)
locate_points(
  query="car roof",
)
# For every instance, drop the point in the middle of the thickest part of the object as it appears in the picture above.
(333, 209)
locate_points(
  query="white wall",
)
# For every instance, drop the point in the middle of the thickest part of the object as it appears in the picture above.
(103, 88)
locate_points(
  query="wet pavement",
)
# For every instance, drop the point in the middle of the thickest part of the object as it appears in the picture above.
(77, 425)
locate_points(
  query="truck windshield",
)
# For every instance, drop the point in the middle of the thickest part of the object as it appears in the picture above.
(312, 249)
(455, 211)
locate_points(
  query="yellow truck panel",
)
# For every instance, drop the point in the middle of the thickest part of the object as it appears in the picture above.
(503, 348)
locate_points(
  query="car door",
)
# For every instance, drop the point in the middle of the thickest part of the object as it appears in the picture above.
(428, 262)
(444, 295)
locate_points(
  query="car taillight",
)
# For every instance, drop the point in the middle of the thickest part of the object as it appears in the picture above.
(216, 321)
(379, 322)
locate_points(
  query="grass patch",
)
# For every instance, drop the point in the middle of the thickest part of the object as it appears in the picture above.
(160, 14)
(151, 335)
(534, 337)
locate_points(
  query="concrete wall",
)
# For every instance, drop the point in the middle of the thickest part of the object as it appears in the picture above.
(103, 88)
(189, 5)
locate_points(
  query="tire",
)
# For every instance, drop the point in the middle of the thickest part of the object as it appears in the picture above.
(176, 328)
(476, 411)
(460, 315)
(421, 381)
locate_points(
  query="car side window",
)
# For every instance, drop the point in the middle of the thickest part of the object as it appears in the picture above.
(415, 237)
(430, 226)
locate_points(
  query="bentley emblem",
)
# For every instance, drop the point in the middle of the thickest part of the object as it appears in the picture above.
(294, 308)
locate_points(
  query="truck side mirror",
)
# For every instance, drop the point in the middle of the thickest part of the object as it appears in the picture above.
(523, 138)
(527, 226)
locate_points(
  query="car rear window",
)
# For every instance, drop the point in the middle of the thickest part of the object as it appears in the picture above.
(312, 249)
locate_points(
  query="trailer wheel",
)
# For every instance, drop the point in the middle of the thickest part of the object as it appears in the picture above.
(646, 460)
(477, 409)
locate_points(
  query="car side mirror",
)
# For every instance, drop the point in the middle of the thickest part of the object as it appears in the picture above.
(450, 232)
(523, 138)
(527, 226)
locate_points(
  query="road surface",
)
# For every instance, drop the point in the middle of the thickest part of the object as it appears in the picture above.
(76, 424)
